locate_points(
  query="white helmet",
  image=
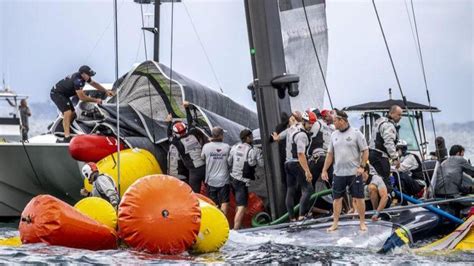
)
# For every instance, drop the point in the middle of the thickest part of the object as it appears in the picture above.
(88, 169)
(402, 143)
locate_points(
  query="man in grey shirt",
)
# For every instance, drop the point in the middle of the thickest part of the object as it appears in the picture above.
(449, 177)
(349, 151)
(216, 153)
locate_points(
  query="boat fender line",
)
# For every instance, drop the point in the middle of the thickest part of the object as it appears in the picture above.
(257, 219)
(439, 212)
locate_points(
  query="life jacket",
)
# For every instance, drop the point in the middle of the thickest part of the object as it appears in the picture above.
(294, 149)
(418, 172)
(379, 141)
(189, 149)
(316, 141)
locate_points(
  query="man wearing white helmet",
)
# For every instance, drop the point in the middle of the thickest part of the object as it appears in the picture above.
(103, 186)
(410, 170)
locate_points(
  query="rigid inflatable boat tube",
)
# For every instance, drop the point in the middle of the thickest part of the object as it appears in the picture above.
(285, 217)
(440, 212)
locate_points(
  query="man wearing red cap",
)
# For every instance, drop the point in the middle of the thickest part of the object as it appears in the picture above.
(297, 168)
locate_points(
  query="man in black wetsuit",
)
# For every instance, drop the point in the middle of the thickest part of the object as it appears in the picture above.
(70, 86)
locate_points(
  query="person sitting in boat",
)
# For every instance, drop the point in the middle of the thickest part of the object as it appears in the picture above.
(450, 180)
(383, 144)
(70, 86)
(216, 154)
(377, 197)
(297, 168)
(103, 186)
(349, 151)
(243, 159)
(185, 140)
(410, 171)
(25, 113)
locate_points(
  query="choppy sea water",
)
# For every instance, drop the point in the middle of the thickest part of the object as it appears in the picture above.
(239, 249)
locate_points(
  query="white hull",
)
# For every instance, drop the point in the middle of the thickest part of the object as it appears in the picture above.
(33, 169)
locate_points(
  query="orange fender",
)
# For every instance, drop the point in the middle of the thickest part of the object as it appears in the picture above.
(159, 214)
(49, 220)
(92, 148)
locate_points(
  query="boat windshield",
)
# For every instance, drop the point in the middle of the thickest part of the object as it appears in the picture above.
(406, 132)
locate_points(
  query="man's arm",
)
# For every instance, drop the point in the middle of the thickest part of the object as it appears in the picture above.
(304, 164)
(389, 134)
(83, 97)
(327, 164)
(99, 87)
(363, 162)
(468, 168)
(383, 199)
(408, 164)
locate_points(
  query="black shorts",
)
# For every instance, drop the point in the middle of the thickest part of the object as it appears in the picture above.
(219, 194)
(241, 192)
(62, 102)
(355, 184)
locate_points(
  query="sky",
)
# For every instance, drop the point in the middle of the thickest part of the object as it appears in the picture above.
(42, 41)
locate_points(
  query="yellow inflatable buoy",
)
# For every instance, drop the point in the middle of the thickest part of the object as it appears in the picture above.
(99, 210)
(134, 164)
(10, 242)
(214, 230)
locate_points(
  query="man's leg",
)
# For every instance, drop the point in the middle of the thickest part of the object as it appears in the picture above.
(67, 118)
(224, 198)
(241, 200)
(239, 216)
(357, 192)
(360, 206)
(337, 207)
(374, 196)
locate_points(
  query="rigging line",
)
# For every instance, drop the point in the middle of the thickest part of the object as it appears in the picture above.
(317, 56)
(202, 47)
(411, 26)
(423, 67)
(171, 55)
(420, 55)
(103, 34)
(138, 48)
(398, 82)
(144, 37)
(118, 100)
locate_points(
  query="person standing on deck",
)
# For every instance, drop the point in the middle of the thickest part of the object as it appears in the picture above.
(297, 168)
(25, 113)
(382, 144)
(243, 160)
(70, 86)
(103, 186)
(184, 155)
(348, 149)
(216, 155)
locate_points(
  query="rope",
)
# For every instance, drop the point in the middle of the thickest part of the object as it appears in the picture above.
(117, 97)
(317, 56)
(399, 85)
(202, 47)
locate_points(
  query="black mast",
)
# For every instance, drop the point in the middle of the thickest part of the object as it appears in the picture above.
(268, 64)
(156, 37)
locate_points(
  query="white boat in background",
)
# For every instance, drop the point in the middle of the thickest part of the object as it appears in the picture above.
(9, 117)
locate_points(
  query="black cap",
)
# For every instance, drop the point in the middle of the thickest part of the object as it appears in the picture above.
(87, 70)
(245, 133)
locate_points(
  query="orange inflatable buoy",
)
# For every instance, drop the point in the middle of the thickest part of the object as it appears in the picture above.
(92, 148)
(159, 214)
(49, 220)
(254, 206)
(205, 199)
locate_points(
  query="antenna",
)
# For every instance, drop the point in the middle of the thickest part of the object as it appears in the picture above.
(390, 93)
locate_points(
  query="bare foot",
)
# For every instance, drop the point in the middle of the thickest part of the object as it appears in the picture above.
(332, 228)
(363, 227)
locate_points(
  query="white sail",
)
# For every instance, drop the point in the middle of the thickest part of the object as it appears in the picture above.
(300, 57)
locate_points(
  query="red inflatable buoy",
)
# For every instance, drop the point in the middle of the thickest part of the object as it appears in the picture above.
(49, 220)
(159, 214)
(93, 148)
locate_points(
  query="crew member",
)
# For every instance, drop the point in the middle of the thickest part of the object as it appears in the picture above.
(449, 177)
(382, 144)
(377, 192)
(216, 154)
(410, 171)
(103, 186)
(297, 168)
(25, 113)
(184, 140)
(70, 86)
(243, 159)
(348, 149)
